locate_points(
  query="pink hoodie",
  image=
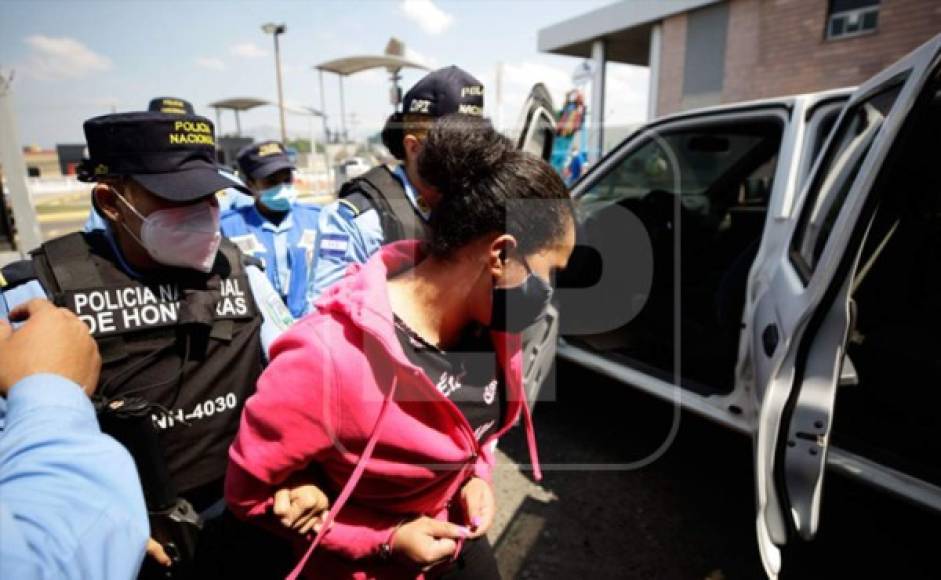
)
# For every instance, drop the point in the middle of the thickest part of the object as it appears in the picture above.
(341, 394)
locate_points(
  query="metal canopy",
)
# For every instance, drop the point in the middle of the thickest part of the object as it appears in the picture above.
(393, 61)
(239, 103)
(354, 64)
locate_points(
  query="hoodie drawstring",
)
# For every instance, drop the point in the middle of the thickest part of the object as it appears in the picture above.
(350, 484)
(531, 440)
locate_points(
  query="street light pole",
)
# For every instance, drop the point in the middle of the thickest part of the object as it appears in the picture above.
(274, 30)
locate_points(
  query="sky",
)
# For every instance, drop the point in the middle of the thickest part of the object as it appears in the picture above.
(75, 59)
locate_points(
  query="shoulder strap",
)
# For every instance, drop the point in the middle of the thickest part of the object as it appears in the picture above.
(386, 193)
(357, 202)
(69, 259)
(16, 273)
(66, 264)
(234, 256)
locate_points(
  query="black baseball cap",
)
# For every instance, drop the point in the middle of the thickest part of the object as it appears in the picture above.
(445, 91)
(260, 160)
(171, 105)
(171, 155)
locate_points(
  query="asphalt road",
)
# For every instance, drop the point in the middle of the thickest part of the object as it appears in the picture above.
(687, 515)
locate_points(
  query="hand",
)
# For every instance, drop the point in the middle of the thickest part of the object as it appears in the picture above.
(155, 550)
(51, 340)
(426, 541)
(479, 505)
(301, 508)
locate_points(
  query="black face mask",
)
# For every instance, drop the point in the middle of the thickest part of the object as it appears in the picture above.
(517, 307)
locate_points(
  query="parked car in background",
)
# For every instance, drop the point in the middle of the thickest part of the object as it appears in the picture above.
(765, 271)
(351, 167)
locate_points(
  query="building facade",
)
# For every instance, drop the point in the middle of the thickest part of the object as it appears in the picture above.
(740, 50)
(708, 52)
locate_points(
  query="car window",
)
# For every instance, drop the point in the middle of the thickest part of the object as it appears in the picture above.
(836, 174)
(823, 131)
(689, 163)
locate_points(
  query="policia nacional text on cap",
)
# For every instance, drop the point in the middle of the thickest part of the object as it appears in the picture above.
(181, 320)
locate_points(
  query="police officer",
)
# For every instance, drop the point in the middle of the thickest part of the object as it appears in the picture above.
(275, 229)
(182, 320)
(384, 205)
(229, 197)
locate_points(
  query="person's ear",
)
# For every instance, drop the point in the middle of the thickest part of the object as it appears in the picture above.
(412, 146)
(107, 202)
(499, 251)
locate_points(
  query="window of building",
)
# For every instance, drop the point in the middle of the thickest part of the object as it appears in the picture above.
(847, 18)
(704, 64)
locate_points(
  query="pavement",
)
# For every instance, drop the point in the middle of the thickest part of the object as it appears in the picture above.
(688, 514)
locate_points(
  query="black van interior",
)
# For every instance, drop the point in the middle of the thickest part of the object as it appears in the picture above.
(701, 194)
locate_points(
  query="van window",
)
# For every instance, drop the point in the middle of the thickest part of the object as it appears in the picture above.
(687, 163)
(843, 159)
(700, 193)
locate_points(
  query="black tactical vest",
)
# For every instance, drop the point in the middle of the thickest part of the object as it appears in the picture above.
(189, 342)
(380, 189)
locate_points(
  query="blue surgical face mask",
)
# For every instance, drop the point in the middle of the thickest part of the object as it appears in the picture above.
(280, 197)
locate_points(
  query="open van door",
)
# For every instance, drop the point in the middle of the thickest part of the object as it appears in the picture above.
(536, 134)
(537, 123)
(798, 317)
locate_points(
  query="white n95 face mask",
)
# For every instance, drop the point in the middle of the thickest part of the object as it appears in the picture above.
(183, 237)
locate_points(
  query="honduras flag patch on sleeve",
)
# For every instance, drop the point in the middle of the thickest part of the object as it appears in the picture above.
(334, 244)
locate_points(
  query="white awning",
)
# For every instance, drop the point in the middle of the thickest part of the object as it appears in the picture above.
(354, 64)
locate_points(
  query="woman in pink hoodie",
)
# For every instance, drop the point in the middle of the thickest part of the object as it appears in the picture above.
(392, 395)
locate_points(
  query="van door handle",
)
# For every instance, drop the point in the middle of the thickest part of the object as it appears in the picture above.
(769, 339)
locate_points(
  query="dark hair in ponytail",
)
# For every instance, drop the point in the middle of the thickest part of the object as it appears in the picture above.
(488, 186)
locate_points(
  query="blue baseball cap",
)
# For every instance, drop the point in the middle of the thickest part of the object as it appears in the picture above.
(260, 160)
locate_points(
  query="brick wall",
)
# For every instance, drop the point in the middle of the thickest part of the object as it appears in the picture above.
(778, 47)
(672, 58)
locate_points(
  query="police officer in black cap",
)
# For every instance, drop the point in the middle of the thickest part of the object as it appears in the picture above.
(388, 204)
(182, 320)
(231, 196)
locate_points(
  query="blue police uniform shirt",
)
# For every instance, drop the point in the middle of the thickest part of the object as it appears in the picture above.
(231, 198)
(287, 249)
(348, 237)
(94, 222)
(72, 505)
